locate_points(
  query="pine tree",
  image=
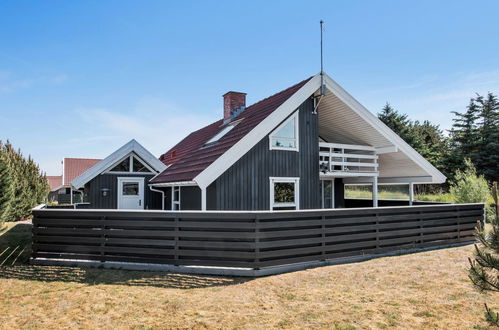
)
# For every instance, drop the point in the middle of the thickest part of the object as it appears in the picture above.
(430, 142)
(488, 153)
(484, 270)
(5, 184)
(27, 185)
(425, 138)
(397, 122)
(465, 136)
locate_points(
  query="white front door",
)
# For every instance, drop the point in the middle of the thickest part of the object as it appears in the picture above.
(131, 193)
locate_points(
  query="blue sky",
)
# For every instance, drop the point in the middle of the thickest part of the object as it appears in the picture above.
(81, 78)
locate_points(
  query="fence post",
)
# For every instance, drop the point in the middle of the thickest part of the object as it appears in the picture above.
(102, 238)
(421, 226)
(34, 244)
(176, 233)
(458, 211)
(377, 230)
(257, 242)
(323, 236)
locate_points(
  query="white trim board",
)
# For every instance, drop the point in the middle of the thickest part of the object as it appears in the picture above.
(376, 123)
(131, 147)
(222, 163)
(225, 161)
(130, 157)
(294, 180)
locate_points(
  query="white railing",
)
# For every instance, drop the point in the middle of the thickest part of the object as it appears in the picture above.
(344, 160)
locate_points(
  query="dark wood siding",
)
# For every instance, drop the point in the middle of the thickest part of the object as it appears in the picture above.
(190, 198)
(246, 186)
(152, 200)
(339, 193)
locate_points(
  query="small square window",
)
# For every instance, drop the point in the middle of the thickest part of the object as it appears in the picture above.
(284, 193)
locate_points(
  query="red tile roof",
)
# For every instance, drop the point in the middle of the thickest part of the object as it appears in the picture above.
(54, 181)
(73, 167)
(190, 156)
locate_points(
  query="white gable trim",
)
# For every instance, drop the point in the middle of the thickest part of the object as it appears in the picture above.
(225, 161)
(131, 147)
(219, 166)
(376, 123)
(130, 156)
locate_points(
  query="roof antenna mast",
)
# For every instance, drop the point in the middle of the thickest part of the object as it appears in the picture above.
(322, 65)
(322, 90)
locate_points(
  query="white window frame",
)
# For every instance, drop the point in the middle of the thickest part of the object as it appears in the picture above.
(332, 193)
(140, 181)
(274, 180)
(297, 133)
(175, 202)
(130, 157)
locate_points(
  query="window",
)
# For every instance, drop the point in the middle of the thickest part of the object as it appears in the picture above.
(285, 137)
(327, 193)
(175, 198)
(138, 166)
(124, 166)
(131, 164)
(220, 134)
(130, 188)
(284, 193)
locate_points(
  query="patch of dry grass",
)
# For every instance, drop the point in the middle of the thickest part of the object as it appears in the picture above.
(424, 290)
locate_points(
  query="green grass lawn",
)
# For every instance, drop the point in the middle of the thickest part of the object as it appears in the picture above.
(393, 192)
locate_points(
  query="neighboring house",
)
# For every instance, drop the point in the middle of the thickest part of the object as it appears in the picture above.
(60, 186)
(55, 184)
(121, 180)
(293, 150)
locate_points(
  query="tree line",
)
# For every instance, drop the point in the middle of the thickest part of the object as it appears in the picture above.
(22, 184)
(474, 135)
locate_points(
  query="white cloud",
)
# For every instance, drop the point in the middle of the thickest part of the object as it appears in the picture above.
(10, 83)
(154, 122)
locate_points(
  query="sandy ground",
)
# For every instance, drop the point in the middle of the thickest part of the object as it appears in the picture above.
(427, 290)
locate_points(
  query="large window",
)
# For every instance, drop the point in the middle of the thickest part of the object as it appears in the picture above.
(284, 193)
(285, 137)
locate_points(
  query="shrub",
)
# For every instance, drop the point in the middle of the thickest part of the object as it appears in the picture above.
(470, 188)
(22, 185)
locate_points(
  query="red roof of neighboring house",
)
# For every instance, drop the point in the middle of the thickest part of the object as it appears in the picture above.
(190, 156)
(73, 167)
(54, 182)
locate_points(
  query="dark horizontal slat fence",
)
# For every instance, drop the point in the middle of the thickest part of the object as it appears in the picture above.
(246, 239)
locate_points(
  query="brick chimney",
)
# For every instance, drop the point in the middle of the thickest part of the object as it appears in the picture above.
(234, 103)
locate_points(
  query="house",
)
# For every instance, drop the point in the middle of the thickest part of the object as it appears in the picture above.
(121, 180)
(293, 150)
(60, 186)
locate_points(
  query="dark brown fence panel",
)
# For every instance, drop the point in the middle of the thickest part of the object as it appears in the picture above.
(177, 238)
(247, 239)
